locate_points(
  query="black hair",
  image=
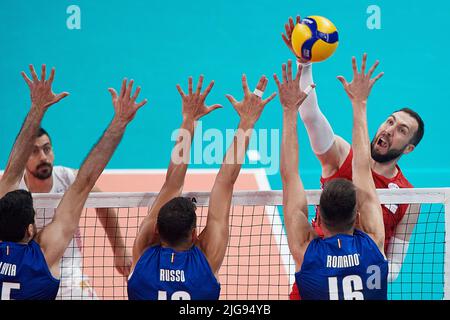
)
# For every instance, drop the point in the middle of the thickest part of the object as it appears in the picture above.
(16, 214)
(176, 219)
(418, 135)
(41, 132)
(338, 205)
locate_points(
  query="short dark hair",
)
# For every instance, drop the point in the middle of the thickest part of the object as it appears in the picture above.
(338, 205)
(42, 132)
(176, 219)
(16, 214)
(418, 135)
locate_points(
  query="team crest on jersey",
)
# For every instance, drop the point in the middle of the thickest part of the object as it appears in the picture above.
(392, 207)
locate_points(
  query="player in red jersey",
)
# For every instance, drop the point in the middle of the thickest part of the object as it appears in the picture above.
(397, 136)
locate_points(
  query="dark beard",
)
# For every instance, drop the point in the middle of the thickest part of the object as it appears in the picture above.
(389, 156)
(43, 175)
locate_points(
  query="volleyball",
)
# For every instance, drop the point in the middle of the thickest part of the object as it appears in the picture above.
(315, 39)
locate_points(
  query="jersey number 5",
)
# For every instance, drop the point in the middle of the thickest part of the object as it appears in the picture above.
(6, 289)
(351, 286)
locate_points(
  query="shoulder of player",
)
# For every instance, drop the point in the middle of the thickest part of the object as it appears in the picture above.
(65, 175)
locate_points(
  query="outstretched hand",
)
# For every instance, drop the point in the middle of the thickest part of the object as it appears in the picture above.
(287, 38)
(359, 89)
(41, 92)
(251, 107)
(125, 105)
(291, 96)
(193, 104)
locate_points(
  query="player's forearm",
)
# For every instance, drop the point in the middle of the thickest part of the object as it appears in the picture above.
(99, 156)
(360, 144)
(289, 147)
(180, 155)
(22, 148)
(234, 158)
(109, 220)
(320, 132)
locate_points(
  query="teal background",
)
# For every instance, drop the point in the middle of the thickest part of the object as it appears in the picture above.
(160, 43)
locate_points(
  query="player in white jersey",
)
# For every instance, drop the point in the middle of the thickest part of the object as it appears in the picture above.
(41, 177)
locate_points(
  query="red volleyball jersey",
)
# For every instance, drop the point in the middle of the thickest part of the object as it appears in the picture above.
(392, 214)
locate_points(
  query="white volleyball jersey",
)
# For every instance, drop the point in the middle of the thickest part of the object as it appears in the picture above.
(74, 285)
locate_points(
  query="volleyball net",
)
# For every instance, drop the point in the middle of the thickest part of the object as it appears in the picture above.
(258, 264)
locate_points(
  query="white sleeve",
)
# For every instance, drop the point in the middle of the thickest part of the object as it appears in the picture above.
(396, 253)
(320, 133)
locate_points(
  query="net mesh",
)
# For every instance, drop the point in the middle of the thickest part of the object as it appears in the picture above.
(258, 264)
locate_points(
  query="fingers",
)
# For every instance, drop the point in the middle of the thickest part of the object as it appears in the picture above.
(212, 108)
(343, 81)
(199, 85)
(288, 31)
(139, 105)
(245, 84)
(266, 81)
(363, 65)
(298, 19)
(190, 85)
(283, 68)
(33, 73)
(378, 77)
(123, 88)
(269, 98)
(286, 40)
(129, 88)
(355, 68)
(43, 71)
(113, 93)
(299, 73)
(230, 98)
(136, 93)
(262, 83)
(180, 91)
(291, 25)
(208, 89)
(275, 77)
(61, 96)
(309, 89)
(27, 80)
(289, 70)
(371, 71)
(52, 76)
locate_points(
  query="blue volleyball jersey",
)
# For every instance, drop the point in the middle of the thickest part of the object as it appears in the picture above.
(166, 274)
(24, 273)
(343, 267)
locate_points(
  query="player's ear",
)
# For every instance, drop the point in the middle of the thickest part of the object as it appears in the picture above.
(410, 148)
(31, 231)
(319, 220)
(357, 219)
(194, 235)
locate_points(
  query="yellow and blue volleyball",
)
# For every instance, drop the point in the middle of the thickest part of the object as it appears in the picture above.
(315, 38)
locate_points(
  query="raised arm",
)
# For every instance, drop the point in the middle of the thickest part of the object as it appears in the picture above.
(369, 206)
(55, 237)
(193, 108)
(330, 149)
(213, 240)
(295, 207)
(398, 244)
(110, 221)
(42, 97)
